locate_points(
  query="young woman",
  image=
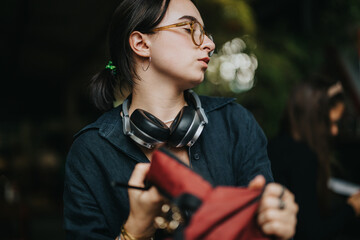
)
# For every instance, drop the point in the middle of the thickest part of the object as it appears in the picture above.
(301, 154)
(159, 51)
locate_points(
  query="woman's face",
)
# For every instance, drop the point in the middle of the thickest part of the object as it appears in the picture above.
(173, 54)
(335, 115)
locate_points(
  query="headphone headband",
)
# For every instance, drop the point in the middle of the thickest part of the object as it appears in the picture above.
(198, 107)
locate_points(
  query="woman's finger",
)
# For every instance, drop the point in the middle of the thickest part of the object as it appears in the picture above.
(275, 214)
(137, 177)
(279, 191)
(269, 202)
(257, 183)
(279, 223)
(271, 215)
(282, 231)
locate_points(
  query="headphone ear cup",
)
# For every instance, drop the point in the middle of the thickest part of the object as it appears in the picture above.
(149, 124)
(182, 129)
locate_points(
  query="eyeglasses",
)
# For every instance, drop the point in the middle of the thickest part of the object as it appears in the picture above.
(196, 29)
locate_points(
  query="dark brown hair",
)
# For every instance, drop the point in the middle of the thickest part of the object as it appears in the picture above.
(130, 15)
(307, 118)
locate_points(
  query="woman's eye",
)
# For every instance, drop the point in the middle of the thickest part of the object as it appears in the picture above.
(188, 30)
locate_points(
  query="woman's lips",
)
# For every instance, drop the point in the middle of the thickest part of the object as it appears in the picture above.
(205, 61)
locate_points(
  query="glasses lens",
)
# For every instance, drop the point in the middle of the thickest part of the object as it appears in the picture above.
(198, 33)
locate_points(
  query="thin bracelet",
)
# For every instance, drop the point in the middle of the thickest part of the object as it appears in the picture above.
(128, 236)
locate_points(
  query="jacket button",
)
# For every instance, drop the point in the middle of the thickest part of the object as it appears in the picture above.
(196, 156)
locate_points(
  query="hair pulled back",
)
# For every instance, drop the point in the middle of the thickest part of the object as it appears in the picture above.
(129, 16)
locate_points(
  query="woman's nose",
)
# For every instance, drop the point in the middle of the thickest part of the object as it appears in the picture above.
(208, 45)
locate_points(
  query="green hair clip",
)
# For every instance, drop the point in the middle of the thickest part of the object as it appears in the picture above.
(111, 66)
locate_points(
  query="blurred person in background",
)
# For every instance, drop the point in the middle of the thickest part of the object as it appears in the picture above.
(301, 157)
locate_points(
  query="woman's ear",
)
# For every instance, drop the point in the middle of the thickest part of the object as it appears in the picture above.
(140, 43)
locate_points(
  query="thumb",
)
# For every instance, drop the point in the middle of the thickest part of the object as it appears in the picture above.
(257, 183)
(138, 176)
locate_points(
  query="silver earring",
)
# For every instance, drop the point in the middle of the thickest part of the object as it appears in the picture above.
(142, 65)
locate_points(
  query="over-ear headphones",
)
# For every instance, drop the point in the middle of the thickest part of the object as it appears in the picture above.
(149, 131)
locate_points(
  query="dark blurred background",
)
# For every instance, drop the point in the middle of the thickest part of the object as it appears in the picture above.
(51, 49)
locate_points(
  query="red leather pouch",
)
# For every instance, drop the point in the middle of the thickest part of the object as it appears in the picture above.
(221, 212)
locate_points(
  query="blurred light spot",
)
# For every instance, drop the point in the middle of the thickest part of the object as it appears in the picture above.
(233, 67)
(227, 71)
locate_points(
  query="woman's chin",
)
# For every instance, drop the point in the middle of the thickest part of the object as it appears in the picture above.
(196, 83)
(191, 83)
(199, 80)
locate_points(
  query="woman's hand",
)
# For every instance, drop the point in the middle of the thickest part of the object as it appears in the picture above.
(144, 205)
(354, 201)
(277, 209)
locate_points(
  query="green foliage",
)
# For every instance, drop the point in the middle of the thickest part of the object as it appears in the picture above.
(288, 42)
(227, 19)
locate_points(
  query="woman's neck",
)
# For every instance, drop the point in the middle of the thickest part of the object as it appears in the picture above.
(158, 93)
(162, 103)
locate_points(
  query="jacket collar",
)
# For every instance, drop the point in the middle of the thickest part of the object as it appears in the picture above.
(110, 126)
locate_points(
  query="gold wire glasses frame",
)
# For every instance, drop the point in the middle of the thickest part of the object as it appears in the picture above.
(197, 31)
